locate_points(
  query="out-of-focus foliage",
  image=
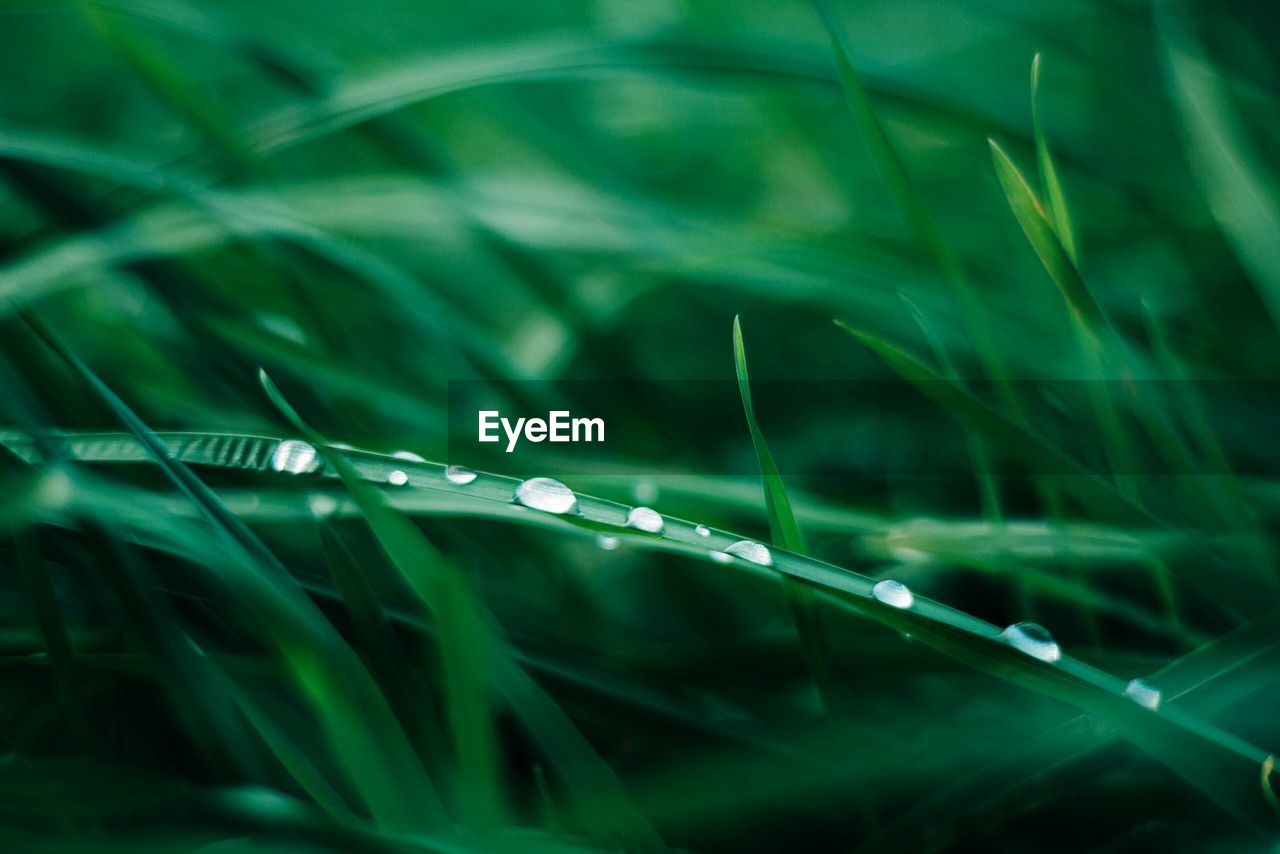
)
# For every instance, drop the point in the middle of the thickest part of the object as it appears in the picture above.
(369, 200)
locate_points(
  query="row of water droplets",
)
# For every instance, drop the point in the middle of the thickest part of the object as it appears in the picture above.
(551, 496)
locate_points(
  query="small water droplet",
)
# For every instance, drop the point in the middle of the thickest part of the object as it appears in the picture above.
(397, 478)
(645, 492)
(295, 457)
(893, 593)
(720, 557)
(607, 543)
(322, 506)
(702, 531)
(1033, 639)
(458, 475)
(548, 495)
(752, 552)
(1143, 693)
(645, 519)
(407, 455)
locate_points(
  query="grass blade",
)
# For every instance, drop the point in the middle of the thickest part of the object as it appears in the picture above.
(1034, 220)
(1055, 198)
(785, 532)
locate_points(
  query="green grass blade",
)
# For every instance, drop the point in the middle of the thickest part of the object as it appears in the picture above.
(1055, 198)
(1033, 218)
(785, 532)
(782, 520)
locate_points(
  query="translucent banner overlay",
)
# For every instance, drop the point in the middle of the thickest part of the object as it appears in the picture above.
(870, 427)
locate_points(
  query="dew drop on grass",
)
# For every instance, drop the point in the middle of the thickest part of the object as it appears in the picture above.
(458, 475)
(1143, 693)
(397, 478)
(295, 457)
(752, 552)
(702, 531)
(645, 519)
(893, 593)
(322, 506)
(1033, 639)
(548, 495)
(408, 455)
(607, 542)
(720, 557)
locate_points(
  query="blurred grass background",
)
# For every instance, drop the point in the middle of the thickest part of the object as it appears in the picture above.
(371, 200)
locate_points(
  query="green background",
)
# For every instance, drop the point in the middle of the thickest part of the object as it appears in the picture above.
(371, 200)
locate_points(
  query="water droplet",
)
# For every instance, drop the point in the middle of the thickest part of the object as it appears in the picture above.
(645, 492)
(720, 557)
(893, 593)
(322, 505)
(1143, 693)
(397, 478)
(645, 519)
(295, 457)
(407, 455)
(607, 543)
(752, 552)
(550, 496)
(702, 531)
(458, 475)
(1033, 639)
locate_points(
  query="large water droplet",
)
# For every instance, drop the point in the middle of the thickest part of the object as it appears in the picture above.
(751, 551)
(397, 478)
(295, 457)
(550, 496)
(1143, 693)
(1033, 639)
(645, 519)
(408, 455)
(458, 475)
(607, 543)
(702, 531)
(893, 593)
(720, 557)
